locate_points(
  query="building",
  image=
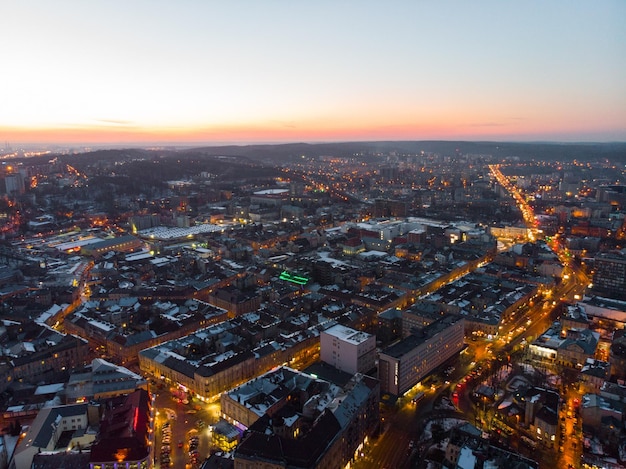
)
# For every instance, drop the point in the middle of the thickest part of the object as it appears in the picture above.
(270, 197)
(467, 449)
(574, 317)
(56, 430)
(310, 423)
(225, 436)
(420, 314)
(578, 347)
(541, 413)
(573, 350)
(43, 357)
(234, 300)
(116, 432)
(508, 232)
(601, 309)
(223, 366)
(14, 184)
(609, 278)
(269, 393)
(102, 380)
(617, 355)
(403, 364)
(594, 374)
(390, 208)
(595, 407)
(347, 349)
(390, 325)
(126, 438)
(126, 243)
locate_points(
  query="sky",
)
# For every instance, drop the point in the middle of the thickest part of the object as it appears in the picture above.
(263, 71)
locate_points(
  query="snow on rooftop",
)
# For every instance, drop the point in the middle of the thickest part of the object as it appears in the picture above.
(28, 346)
(325, 256)
(72, 245)
(49, 389)
(271, 191)
(138, 256)
(105, 326)
(347, 334)
(165, 233)
(467, 460)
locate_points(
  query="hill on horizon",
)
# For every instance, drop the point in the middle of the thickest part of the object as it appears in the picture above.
(546, 151)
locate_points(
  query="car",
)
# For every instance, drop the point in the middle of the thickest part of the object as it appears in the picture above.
(180, 444)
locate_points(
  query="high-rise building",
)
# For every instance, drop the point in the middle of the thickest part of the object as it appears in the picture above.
(610, 274)
(347, 349)
(14, 184)
(403, 364)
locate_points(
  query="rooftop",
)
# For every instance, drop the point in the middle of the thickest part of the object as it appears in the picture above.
(347, 334)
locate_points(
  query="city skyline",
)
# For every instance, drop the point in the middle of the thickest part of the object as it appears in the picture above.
(275, 72)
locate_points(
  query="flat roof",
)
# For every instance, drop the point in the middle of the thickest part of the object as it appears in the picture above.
(404, 346)
(271, 191)
(347, 334)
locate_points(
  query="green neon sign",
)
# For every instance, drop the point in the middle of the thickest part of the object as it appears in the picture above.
(293, 278)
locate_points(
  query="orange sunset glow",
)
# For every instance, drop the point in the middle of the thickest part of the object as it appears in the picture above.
(213, 73)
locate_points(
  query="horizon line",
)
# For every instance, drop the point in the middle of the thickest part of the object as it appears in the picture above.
(145, 145)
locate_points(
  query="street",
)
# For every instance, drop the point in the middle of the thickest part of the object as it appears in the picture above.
(177, 425)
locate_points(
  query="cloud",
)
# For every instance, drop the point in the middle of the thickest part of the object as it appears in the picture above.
(287, 124)
(115, 121)
(487, 124)
(509, 121)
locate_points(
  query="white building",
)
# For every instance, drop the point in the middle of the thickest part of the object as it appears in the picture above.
(347, 349)
(45, 432)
